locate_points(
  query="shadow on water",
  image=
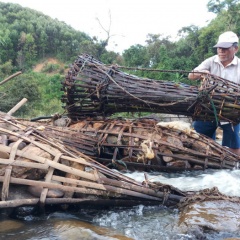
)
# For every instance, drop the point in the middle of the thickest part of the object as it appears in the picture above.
(139, 222)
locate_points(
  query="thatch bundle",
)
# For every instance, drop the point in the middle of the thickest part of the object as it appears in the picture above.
(144, 144)
(93, 89)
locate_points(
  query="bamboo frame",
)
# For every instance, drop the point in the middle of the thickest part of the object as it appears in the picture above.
(195, 149)
(100, 181)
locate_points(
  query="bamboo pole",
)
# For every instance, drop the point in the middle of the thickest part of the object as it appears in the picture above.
(21, 163)
(10, 77)
(142, 189)
(48, 178)
(17, 106)
(80, 189)
(79, 182)
(51, 185)
(6, 181)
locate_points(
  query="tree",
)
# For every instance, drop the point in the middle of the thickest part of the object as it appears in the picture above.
(217, 6)
(17, 89)
(229, 8)
(26, 53)
(136, 56)
(158, 48)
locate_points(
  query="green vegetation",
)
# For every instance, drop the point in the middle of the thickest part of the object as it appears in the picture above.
(28, 37)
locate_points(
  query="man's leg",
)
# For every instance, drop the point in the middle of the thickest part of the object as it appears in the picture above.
(231, 137)
(206, 127)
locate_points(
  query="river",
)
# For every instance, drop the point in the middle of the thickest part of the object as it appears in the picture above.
(138, 223)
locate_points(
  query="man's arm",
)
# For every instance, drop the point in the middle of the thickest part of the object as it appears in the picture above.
(203, 69)
(196, 74)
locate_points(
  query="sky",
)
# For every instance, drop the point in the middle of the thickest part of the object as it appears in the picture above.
(129, 21)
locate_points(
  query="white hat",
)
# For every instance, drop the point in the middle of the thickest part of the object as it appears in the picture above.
(226, 40)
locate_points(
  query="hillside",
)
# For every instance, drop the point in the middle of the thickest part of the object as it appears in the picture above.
(27, 35)
(50, 66)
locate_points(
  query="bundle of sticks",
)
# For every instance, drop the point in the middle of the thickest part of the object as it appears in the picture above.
(144, 144)
(93, 89)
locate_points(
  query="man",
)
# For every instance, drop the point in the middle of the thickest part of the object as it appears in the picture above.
(226, 65)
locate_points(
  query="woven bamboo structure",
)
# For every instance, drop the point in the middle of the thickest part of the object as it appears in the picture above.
(29, 158)
(93, 89)
(218, 99)
(144, 144)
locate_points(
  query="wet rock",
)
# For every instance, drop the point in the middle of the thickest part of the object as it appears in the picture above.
(20, 146)
(18, 192)
(231, 239)
(219, 215)
(22, 212)
(52, 193)
(4, 155)
(62, 122)
(197, 232)
(197, 167)
(72, 229)
(8, 225)
(179, 163)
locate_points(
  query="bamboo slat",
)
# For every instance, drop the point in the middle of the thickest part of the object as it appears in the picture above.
(48, 178)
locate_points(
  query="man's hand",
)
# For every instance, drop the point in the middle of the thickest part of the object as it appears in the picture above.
(204, 72)
(195, 75)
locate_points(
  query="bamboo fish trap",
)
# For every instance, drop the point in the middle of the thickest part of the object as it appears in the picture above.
(144, 144)
(30, 159)
(93, 89)
(218, 99)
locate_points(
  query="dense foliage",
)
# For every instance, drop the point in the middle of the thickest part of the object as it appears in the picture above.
(27, 37)
(194, 44)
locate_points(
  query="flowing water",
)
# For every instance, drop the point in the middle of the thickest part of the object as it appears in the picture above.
(139, 222)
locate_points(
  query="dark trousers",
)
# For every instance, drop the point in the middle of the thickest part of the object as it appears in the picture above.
(231, 137)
